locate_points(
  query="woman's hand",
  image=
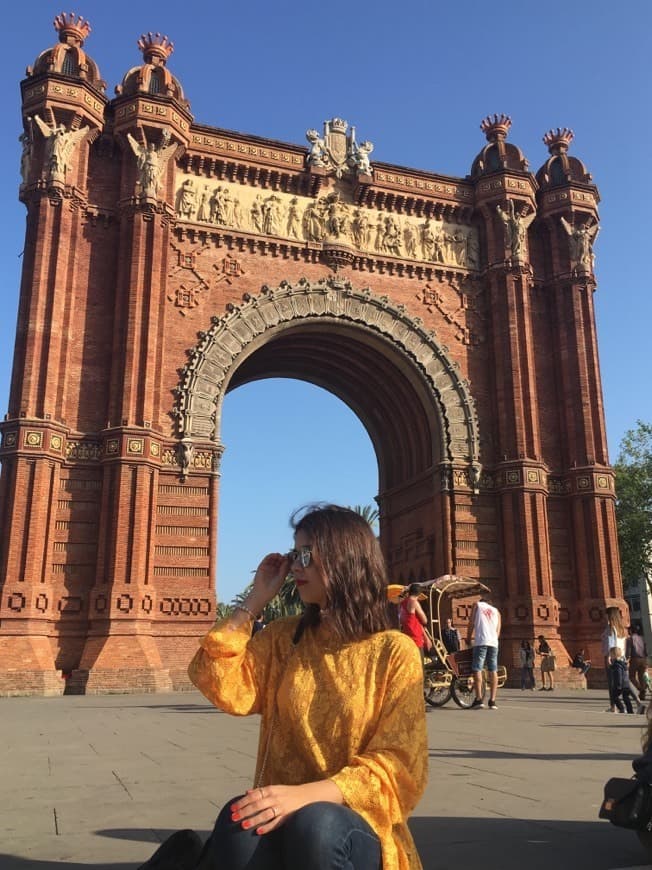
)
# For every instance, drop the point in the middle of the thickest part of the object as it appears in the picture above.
(266, 808)
(269, 578)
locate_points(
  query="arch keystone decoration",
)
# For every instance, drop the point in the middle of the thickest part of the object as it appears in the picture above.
(207, 373)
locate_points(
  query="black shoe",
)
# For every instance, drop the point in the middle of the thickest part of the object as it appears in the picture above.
(181, 851)
(493, 705)
(477, 705)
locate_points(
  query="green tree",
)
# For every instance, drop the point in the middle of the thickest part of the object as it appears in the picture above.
(634, 504)
(286, 603)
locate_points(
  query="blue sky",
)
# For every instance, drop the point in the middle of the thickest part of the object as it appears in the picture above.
(416, 78)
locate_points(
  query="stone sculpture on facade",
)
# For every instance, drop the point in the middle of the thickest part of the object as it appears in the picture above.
(186, 200)
(151, 161)
(337, 151)
(60, 145)
(360, 157)
(293, 228)
(329, 218)
(516, 226)
(580, 243)
(25, 140)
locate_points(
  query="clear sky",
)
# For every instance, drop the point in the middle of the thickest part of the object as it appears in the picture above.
(416, 78)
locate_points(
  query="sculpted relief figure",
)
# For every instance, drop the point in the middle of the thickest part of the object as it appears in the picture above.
(516, 226)
(427, 241)
(151, 161)
(294, 222)
(580, 244)
(59, 148)
(360, 229)
(256, 214)
(203, 209)
(313, 223)
(336, 216)
(272, 210)
(216, 207)
(410, 240)
(392, 236)
(25, 140)
(186, 200)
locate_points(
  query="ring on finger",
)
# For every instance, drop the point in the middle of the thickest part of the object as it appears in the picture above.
(262, 793)
(274, 810)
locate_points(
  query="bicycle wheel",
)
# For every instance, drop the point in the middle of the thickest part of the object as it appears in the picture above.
(435, 692)
(463, 691)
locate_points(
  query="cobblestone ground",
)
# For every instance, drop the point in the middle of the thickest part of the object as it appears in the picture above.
(98, 781)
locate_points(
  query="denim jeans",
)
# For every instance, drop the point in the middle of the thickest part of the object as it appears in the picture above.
(319, 836)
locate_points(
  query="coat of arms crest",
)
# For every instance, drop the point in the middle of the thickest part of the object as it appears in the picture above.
(337, 150)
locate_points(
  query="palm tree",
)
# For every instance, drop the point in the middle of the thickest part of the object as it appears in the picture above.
(368, 512)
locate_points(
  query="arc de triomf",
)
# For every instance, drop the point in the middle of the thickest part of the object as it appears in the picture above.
(167, 262)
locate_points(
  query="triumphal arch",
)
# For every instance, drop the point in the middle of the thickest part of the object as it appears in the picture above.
(167, 262)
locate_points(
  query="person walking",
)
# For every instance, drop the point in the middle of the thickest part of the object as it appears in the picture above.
(343, 753)
(621, 689)
(483, 634)
(526, 655)
(614, 634)
(548, 665)
(636, 654)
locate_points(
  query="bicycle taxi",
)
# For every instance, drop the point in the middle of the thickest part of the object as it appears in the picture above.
(447, 675)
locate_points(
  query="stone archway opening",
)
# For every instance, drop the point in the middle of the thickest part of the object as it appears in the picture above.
(393, 374)
(287, 444)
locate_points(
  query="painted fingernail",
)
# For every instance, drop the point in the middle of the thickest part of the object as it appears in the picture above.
(259, 831)
(235, 817)
(246, 824)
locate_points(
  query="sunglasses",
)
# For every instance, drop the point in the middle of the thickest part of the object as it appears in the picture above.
(303, 556)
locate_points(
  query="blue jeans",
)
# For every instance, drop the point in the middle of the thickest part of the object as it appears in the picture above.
(319, 836)
(485, 656)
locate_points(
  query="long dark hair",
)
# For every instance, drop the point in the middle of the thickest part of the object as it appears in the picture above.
(345, 546)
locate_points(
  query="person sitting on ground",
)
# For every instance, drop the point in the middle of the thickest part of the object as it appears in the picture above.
(621, 688)
(343, 753)
(581, 663)
(548, 665)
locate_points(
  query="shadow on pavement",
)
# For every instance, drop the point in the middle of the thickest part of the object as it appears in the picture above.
(450, 844)
(442, 752)
(512, 844)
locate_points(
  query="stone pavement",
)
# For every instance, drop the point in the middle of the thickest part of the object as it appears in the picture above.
(98, 781)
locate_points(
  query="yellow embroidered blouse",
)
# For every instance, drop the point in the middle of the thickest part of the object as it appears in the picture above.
(349, 712)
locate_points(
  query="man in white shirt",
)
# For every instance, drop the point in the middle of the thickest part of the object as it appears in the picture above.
(484, 628)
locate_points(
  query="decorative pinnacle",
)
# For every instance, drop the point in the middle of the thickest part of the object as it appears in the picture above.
(71, 28)
(155, 47)
(496, 127)
(558, 140)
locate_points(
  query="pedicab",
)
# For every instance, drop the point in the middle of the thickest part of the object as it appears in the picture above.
(447, 675)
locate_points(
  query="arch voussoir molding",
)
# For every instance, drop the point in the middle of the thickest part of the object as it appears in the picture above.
(207, 373)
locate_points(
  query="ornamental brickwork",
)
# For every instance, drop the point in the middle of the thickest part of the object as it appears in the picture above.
(167, 262)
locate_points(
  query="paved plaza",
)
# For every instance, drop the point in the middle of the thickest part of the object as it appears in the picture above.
(99, 781)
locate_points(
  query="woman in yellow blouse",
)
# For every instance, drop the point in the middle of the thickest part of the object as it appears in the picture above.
(342, 755)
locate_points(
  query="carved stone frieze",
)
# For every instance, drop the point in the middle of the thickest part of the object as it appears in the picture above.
(220, 348)
(327, 219)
